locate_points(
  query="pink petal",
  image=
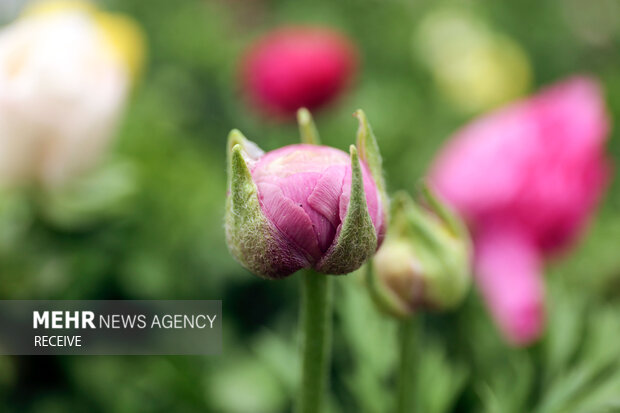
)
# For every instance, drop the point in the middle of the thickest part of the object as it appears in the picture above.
(343, 203)
(483, 167)
(325, 196)
(290, 218)
(509, 275)
(297, 187)
(572, 114)
(539, 161)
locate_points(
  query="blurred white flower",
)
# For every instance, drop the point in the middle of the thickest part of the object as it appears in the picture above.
(474, 67)
(63, 84)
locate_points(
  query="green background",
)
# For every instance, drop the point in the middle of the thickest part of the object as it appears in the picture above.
(148, 224)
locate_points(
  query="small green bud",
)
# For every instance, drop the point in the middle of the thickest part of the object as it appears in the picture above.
(425, 261)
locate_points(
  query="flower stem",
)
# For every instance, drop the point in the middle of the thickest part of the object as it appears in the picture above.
(315, 325)
(405, 402)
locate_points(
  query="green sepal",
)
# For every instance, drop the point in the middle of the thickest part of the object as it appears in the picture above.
(436, 241)
(249, 148)
(357, 240)
(307, 129)
(399, 223)
(449, 217)
(369, 153)
(384, 298)
(412, 221)
(442, 244)
(243, 214)
(251, 238)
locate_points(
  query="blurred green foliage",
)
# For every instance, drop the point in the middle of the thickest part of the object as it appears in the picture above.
(155, 231)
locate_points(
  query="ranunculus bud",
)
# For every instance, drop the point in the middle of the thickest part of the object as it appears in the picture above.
(526, 178)
(295, 67)
(305, 205)
(65, 70)
(425, 261)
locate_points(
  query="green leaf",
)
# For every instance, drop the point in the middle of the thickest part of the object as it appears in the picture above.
(439, 380)
(369, 339)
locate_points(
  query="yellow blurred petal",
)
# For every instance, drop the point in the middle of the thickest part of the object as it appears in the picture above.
(123, 34)
(475, 67)
(39, 8)
(126, 38)
(486, 77)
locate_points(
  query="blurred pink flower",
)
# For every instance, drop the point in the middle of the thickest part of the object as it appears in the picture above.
(526, 178)
(294, 67)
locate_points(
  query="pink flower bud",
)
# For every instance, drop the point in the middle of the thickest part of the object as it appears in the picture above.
(295, 67)
(305, 205)
(527, 178)
(304, 191)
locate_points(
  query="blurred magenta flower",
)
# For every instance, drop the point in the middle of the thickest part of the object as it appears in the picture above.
(305, 205)
(299, 66)
(526, 177)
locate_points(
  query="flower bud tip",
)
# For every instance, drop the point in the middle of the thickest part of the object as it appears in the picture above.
(307, 129)
(369, 152)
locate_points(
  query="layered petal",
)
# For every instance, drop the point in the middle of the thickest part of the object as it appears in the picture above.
(305, 191)
(325, 196)
(290, 218)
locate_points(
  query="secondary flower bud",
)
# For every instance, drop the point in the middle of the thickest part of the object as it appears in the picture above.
(295, 67)
(526, 178)
(305, 205)
(424, 262)
(65, 72)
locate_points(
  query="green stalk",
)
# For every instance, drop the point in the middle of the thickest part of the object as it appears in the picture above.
(316, 326)
(406, 342)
